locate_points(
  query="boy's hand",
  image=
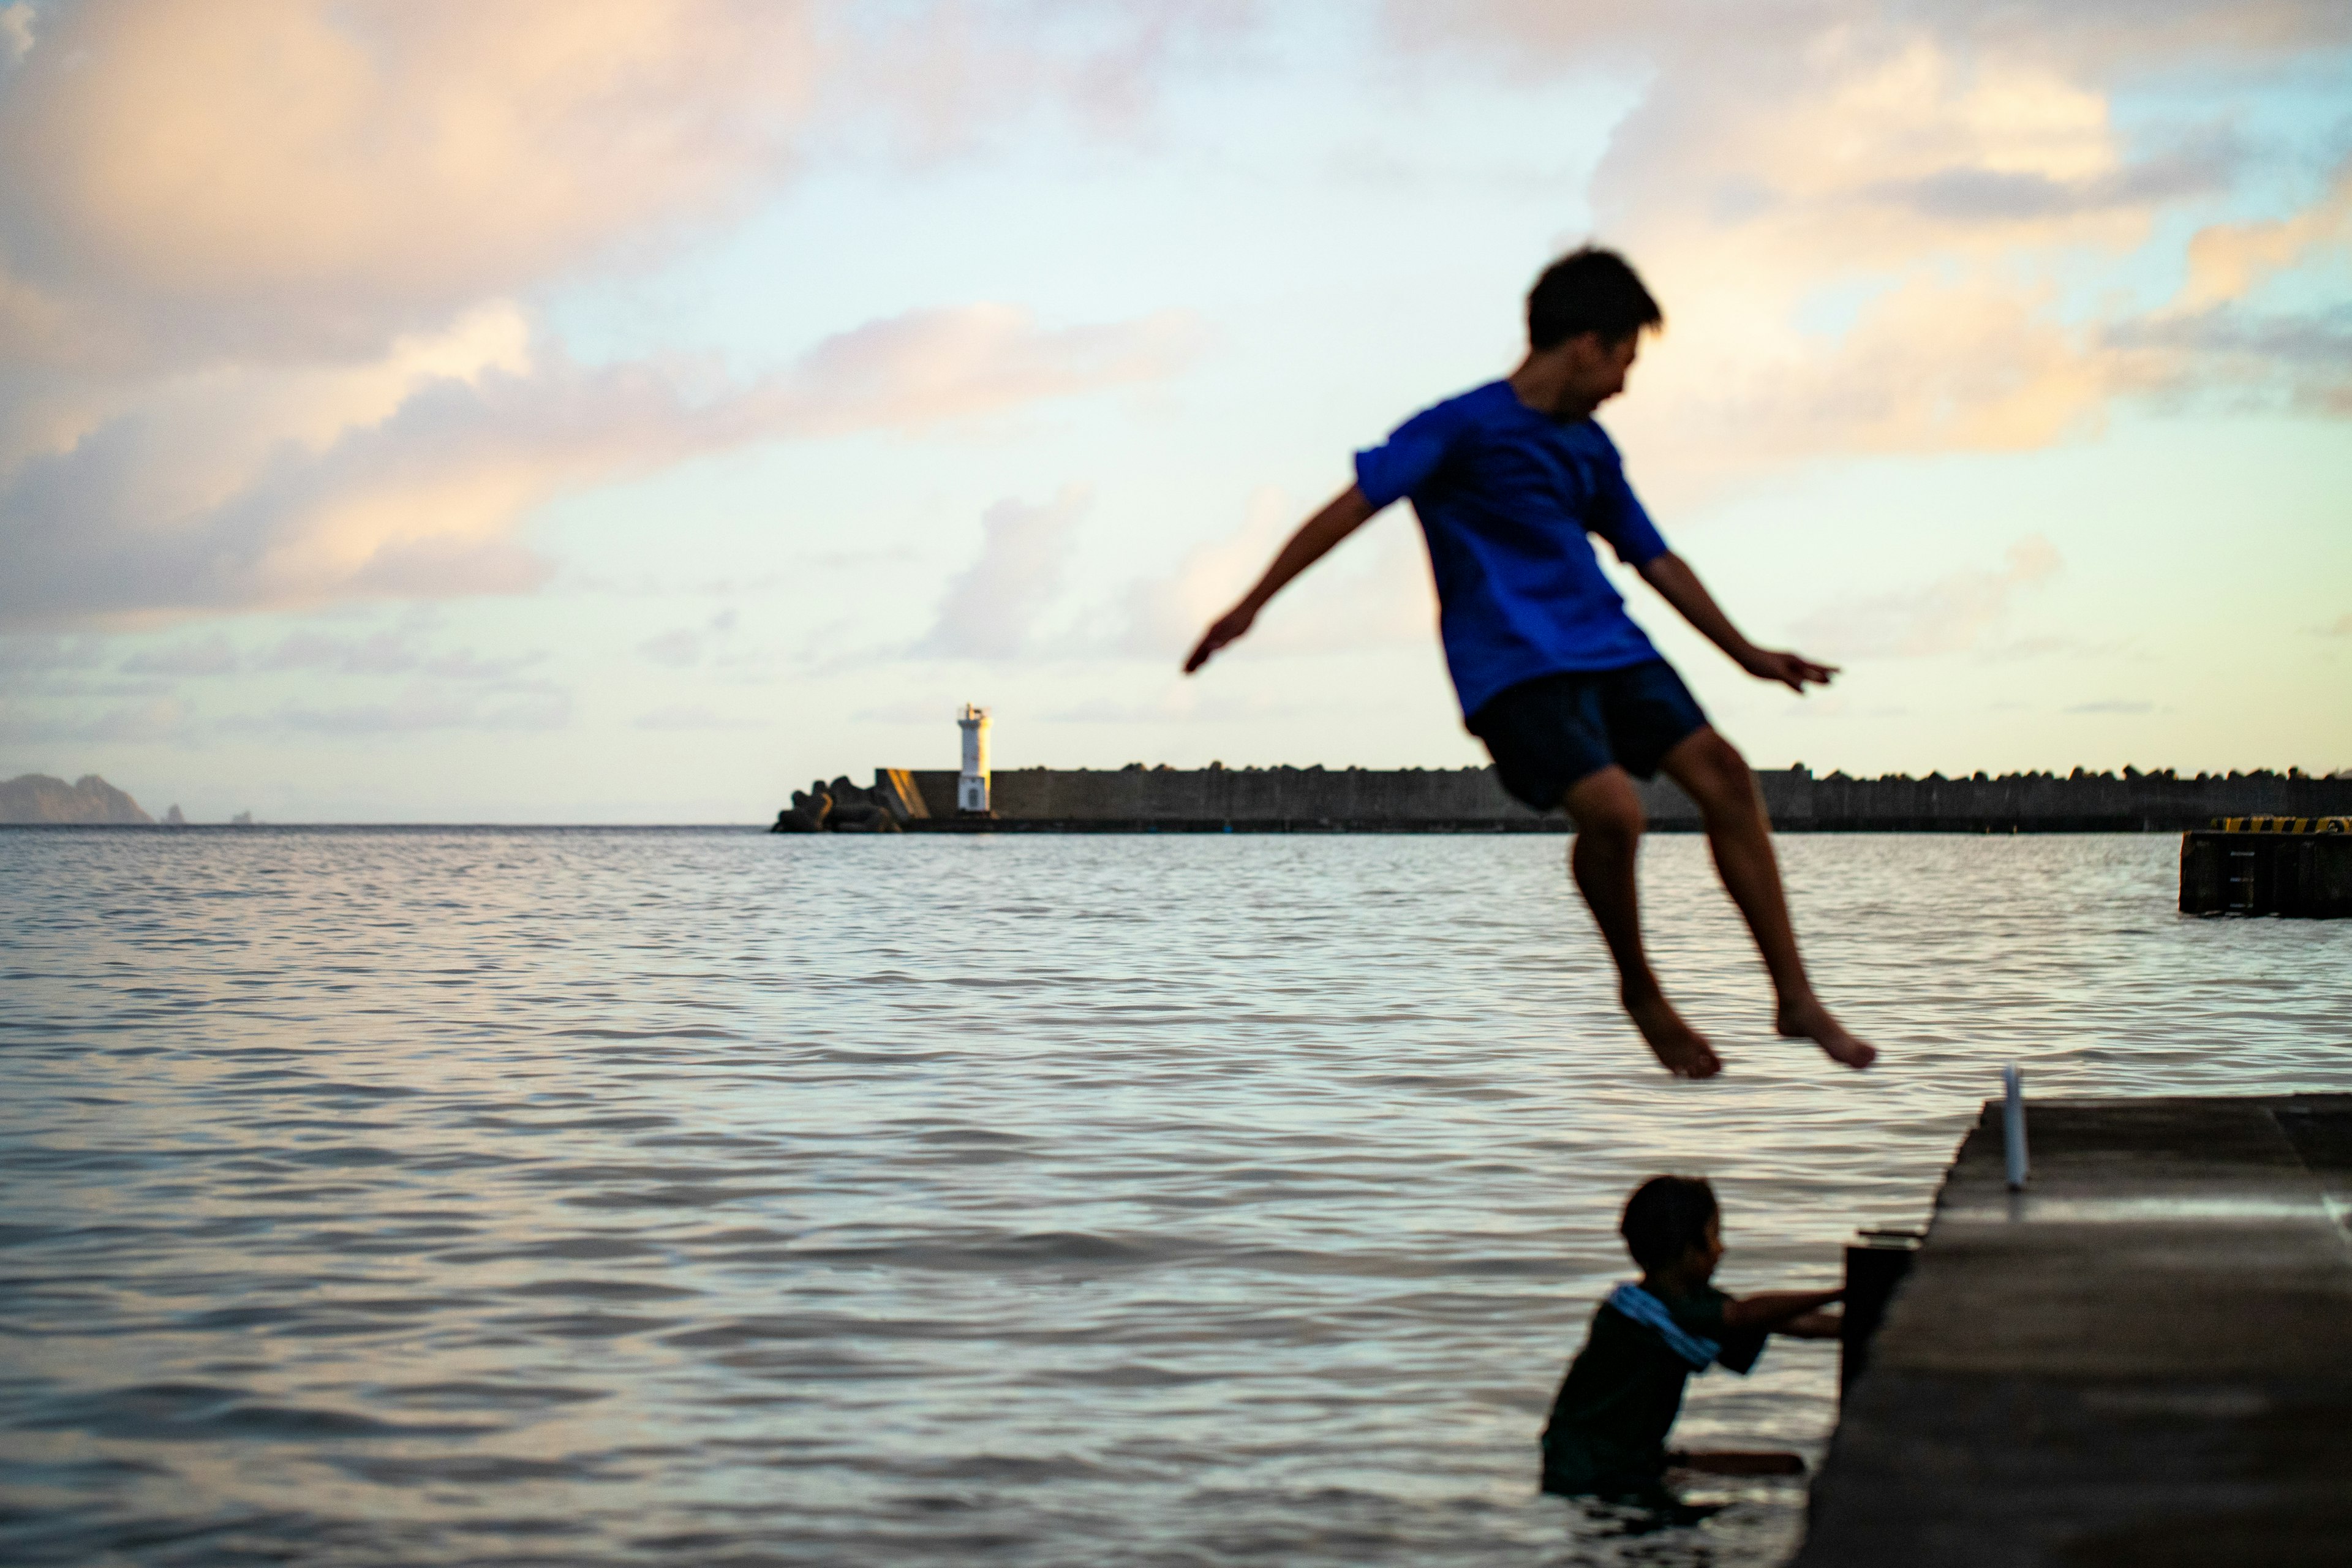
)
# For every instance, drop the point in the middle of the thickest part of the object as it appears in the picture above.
(1222, 630)
(1790, 670)
(1670, 575)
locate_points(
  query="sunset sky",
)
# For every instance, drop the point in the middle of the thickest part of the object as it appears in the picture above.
(625, 410)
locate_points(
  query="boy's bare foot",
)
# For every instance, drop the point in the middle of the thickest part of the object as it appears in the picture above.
(1808, 1020)
(1683, 1049)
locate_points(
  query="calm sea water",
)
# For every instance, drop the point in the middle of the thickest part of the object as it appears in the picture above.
(383, 1197)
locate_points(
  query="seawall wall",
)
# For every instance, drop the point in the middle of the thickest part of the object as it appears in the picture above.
(1471, 800)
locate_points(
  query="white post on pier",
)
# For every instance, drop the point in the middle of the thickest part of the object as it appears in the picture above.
(2012, 1124)
(971, 786)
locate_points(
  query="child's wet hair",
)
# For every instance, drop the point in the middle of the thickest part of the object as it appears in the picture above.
(1665, 1217)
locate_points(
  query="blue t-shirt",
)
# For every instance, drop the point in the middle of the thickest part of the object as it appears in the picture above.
(1505, 496)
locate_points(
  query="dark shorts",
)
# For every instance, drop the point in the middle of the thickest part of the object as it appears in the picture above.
(1546, 733)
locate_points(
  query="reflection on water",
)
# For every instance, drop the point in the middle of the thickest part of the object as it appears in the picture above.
(580, 1197)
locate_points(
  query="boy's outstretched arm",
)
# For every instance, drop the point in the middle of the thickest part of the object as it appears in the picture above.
(1797, 1314)
(1670, 575)
(1348, 511)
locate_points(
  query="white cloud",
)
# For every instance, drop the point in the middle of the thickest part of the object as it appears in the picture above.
(41, 656)
(1184, 702)
(688, 716)
(16, 31)
(1948, 615)
(386, 653)
(378, 653)
(1376, 593)
(929, 713)
(465, 665)
(1373, 592)
(423, 707)
(991, 609)
(676, 650)
(160, 718)
(198, 656)
(685, 648)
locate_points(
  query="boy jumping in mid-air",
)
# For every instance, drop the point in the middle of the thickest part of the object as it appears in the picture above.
(1565, 690)
(1607, 1435)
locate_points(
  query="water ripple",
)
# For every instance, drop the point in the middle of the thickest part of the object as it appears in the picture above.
(602, 1197)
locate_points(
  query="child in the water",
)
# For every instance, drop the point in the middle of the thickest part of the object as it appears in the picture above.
(1607, 1435)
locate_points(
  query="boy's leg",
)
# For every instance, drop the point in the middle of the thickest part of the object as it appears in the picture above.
(1608, 815)
(1714, 775)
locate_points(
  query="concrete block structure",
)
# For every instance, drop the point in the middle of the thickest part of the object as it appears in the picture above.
(2299, 868)
(2143, 1359)
(1471, 800)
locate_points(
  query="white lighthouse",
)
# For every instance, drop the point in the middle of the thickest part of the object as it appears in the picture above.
(971, 787)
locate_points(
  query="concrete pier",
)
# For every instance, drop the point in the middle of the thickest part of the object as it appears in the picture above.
(2297, 867)
(2145, 1359)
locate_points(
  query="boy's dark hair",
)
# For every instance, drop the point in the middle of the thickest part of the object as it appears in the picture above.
(1665, 1217)
(1589, 290)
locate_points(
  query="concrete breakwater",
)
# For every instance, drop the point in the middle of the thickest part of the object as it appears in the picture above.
(1470, 800)
(2145, 1357)
(842, 806)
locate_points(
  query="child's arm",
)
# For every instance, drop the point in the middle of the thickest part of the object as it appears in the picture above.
(1813, 1326)
(1670, 575)
(1796, 1313)
(1348, 511)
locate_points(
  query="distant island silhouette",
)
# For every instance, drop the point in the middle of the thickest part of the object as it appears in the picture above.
(90, 799)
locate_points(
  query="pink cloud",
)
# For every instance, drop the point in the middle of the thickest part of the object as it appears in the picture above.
(308, 177)
(2226, 261)
(426, 501)
(1952, 165)
(265, 274)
